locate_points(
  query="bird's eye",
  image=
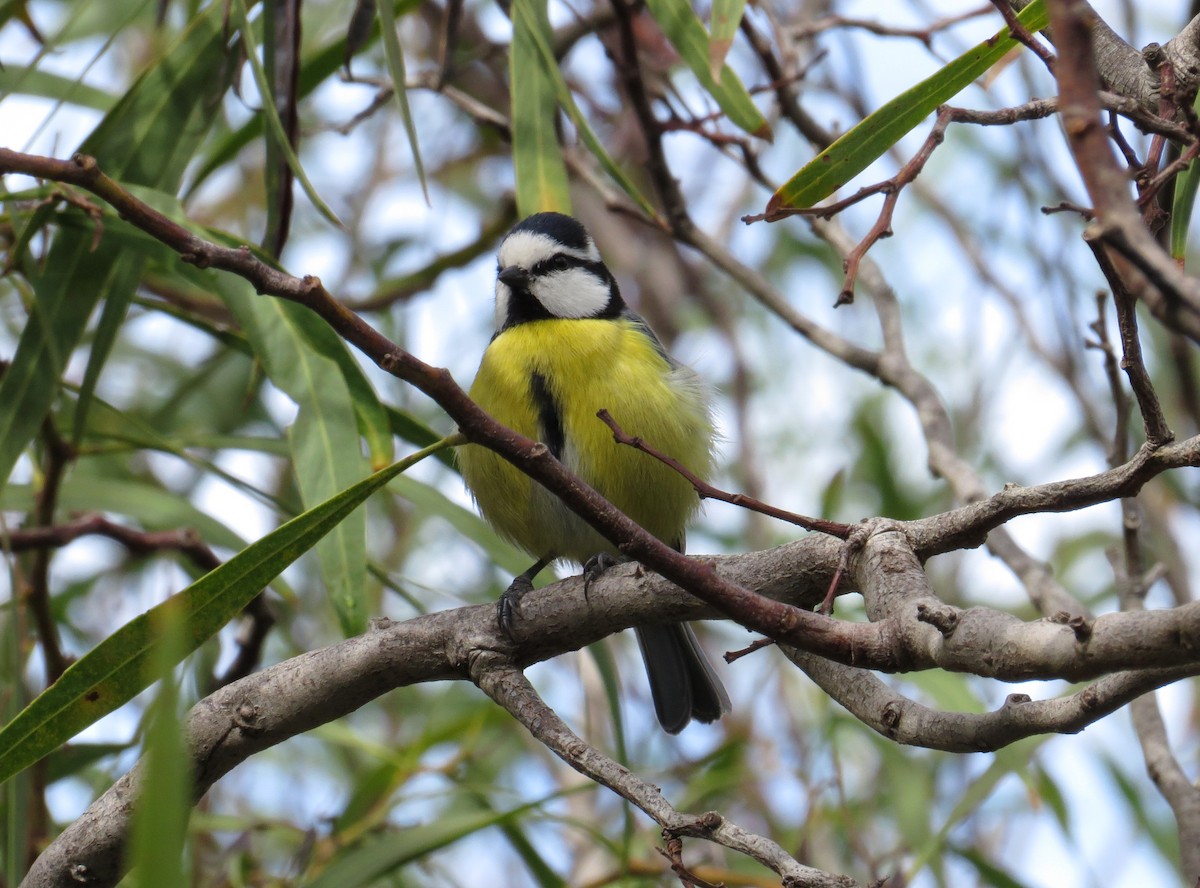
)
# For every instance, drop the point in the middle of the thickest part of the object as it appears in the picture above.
(557, 262)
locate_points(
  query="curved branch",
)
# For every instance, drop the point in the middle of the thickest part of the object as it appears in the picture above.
(511, 689)
(897, 717)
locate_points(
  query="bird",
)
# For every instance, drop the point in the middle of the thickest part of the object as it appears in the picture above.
(565, 346)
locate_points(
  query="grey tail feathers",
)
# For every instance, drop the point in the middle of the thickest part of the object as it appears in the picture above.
(683, 684)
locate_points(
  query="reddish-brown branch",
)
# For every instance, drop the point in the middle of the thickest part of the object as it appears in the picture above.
(1022, 34)
(139, 542)
(1154, 421)
(892, 187)
(257, 618)
(59, 455)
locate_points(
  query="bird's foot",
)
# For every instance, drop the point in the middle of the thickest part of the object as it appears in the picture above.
(510, 599)
(594, 567)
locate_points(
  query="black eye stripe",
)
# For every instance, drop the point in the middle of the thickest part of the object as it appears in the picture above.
(564, 261)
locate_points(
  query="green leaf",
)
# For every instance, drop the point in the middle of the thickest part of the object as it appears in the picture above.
(72, 759)
(537, 156)
(294, 346)
(161, 816)
(146, 138)
(1181, 209)
(26, 81)
(431, 501)
(374, 421)
(989, 873)
(408, 428)
(271, 113)
(686, 33)
(1181, 205)
(116, 298)
(72, 280)
(1012, 759)
(726, 17)
(538, 31)
(395, 62)
(115, 670)
(875, 134)
(376, 858)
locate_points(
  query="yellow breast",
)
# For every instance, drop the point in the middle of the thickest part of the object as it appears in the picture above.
(582, 366)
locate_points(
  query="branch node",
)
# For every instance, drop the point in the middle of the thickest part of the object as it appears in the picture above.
(87, 165)
(1017, 700)
(246, 718)
(889, 718)
(198, 258)
(1082, 627)
(1089, 698)
(943, 619)
(1154, 54)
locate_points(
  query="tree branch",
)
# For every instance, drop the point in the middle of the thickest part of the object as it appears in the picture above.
(511, 689)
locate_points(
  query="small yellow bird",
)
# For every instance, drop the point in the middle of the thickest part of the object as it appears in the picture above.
(565, 346)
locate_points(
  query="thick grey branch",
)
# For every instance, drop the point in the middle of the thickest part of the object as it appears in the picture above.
(899, 718)
(1129, 72)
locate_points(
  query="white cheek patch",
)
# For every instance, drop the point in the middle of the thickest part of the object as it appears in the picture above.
(526, 249)
(572, 293)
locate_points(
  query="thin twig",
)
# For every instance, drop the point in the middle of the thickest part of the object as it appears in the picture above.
(708, 491)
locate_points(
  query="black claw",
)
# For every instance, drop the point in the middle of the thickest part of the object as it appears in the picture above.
(507, 606)
(594, 567)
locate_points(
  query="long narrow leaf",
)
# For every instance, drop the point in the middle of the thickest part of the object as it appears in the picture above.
(115, 670)
(1181, 209)
(271, 113)
(161, 817)
(326, 450)
(726, 17)
(875, 134)
(378, 857)
(147, 138)
(537, 156)
(27, 81)
(394, 55)
(1181, 206)
(526, 13)
(686, 33)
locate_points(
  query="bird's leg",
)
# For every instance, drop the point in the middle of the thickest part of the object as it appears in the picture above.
(510, 598)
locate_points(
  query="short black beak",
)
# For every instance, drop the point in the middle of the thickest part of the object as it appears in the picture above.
(515, 277)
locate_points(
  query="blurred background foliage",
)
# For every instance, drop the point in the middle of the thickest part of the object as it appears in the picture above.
(183, 401)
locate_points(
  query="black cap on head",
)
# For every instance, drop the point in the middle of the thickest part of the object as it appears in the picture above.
(565, 229)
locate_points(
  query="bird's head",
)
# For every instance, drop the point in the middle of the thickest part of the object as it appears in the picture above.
(548, 267)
